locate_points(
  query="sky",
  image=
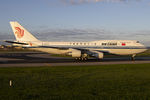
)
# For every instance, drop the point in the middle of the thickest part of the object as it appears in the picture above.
(78, 20)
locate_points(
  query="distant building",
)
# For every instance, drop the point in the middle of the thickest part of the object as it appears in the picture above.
(2, 46)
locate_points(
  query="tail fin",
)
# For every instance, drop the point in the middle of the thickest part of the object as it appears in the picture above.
(21, 33)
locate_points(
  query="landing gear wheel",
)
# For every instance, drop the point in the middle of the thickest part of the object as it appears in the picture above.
(81, 59)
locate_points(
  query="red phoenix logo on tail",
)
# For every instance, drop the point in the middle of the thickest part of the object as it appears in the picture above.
(19, 32)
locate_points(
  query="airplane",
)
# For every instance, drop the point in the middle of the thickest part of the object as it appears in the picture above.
(78, 50)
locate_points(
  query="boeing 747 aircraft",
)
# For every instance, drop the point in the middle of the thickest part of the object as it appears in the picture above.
(78, 50)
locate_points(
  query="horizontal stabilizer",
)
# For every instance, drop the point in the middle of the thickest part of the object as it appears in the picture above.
(15, 42)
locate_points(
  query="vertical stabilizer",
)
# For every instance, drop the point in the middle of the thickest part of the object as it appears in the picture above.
(21, 33)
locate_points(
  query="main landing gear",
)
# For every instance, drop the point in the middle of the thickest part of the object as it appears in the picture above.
(82, 58)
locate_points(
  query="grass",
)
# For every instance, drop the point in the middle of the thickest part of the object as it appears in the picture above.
(104, 82)
(146, 53)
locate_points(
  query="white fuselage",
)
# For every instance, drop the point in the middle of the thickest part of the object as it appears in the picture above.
(119, 47)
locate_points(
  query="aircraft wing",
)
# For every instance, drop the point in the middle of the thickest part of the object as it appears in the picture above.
(83, 49)
(63, 48)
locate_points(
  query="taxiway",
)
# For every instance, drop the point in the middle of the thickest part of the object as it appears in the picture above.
(35, 59)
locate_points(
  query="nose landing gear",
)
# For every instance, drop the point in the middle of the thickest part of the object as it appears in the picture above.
(133, 57)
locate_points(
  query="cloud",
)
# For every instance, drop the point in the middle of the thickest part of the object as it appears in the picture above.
(91, 35)
(78, 2)
(75, 34)
(5, 36)
(85, 35)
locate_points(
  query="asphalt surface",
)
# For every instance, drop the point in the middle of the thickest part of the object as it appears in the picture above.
(36, 59)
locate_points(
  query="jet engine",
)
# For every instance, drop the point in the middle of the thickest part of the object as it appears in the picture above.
(98, 55)
(75, 53)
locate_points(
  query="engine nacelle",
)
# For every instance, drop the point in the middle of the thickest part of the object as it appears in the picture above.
(75, 53)
(98, 55)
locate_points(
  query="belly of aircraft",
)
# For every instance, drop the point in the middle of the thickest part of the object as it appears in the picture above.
(125, 51)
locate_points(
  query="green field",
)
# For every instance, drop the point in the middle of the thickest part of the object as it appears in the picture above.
(103, 82)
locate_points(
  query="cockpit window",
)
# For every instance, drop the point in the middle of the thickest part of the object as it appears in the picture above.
(137, 42)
